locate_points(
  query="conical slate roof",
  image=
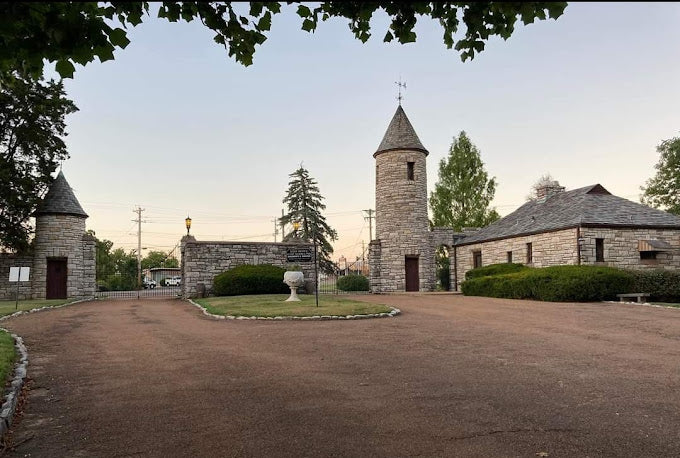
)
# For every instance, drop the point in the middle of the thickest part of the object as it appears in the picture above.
(60, 200)
(400, 135)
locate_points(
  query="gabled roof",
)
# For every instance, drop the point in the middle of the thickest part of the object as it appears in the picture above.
(60, 200)
(592, 206)
(400, 135)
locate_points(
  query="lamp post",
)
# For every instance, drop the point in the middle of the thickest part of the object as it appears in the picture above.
(187, 222)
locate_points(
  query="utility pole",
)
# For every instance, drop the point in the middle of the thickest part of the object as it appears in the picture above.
(283, 233)
(276, 229)
(139, 221)
(370, 219)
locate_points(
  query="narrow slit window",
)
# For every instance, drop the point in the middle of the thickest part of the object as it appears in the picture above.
(599, 250)
(530, 253)
(509, 257)
(410, 166)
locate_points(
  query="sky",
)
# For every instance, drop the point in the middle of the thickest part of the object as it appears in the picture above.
(175, 126)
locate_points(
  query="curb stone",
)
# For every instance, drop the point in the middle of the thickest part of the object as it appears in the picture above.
(395, 311)
(42, 309)
(9, 405)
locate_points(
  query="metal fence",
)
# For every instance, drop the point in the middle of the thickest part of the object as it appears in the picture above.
(328, 284)
(123, 286)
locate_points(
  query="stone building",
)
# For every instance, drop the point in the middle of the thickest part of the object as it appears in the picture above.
(401, 257)
(62, 260)
(588, 225)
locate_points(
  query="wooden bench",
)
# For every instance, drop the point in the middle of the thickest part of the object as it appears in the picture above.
(641, 297)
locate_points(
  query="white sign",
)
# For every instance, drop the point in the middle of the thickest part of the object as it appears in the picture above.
(19, 274)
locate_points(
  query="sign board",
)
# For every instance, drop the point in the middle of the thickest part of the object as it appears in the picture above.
(19, 274)
(299, 254)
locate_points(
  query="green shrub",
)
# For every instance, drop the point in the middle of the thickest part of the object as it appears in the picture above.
(662, 285)
(121, 283)
(558, 283)
(444, 276)
(352, 283)
(495, 269)
(249, 279)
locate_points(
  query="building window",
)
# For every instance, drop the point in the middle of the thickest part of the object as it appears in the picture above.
(530, 253)
(648, 255)
(476, 259)
(599, 250)
(410, 170)
(509, 257)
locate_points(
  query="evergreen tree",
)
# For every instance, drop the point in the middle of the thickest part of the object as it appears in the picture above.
(463, 192)
(305, 204)
(663, 190)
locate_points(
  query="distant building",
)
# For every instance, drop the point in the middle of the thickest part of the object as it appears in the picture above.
(159, 273)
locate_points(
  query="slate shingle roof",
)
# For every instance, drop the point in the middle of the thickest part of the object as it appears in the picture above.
(60, 200)
(400, 135)
(589, 206)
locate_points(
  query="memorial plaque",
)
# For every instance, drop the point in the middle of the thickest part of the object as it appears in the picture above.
(299, 254)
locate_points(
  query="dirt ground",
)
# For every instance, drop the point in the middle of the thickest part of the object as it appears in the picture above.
(451, 376)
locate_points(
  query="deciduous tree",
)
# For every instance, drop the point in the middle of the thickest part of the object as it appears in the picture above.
(305, 205)
(663, 189)
(69, 33)
(156, 259)
(32, 128)
(463, 191)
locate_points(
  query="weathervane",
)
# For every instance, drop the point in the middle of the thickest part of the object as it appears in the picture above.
(400, 85)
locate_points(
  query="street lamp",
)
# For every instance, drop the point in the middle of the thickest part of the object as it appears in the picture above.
(296, 226)
(187, 222)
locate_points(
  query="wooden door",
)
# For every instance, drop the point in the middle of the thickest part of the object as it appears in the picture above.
(56, 279)
(412, 279)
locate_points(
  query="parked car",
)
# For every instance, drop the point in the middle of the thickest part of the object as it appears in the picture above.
(173, 281)
(149, 284)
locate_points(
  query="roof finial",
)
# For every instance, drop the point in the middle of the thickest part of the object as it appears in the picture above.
(400, 85)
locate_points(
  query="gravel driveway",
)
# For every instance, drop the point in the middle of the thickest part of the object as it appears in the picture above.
(451, 376)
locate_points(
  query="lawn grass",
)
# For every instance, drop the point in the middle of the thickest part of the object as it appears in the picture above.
(271, 305)
(7, 355)
(666, 304)
(7, 307)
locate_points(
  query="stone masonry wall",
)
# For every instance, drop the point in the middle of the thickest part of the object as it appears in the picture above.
(63, 236)
(8, 290)
(621, 247)
(401, 220)
(548, 248)
(202, 261)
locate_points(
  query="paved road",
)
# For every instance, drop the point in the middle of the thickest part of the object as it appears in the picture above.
(452, 376)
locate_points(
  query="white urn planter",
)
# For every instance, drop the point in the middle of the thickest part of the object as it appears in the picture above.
(293, 279)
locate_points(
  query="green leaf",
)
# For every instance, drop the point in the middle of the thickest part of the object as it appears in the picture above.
(308, 25)
(388, 37)
(265, 22)
(118, 37)
(65, 68)
(304, 11)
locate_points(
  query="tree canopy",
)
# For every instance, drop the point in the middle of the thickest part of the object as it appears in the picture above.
(463, 191)
(32, 127)
(305, 206)
(155, 259)
(69, 33)
(663, 189)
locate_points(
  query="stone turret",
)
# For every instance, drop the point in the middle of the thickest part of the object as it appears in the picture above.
(403, 240)
(64, 254)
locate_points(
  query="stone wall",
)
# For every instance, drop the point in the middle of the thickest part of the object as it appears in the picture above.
(8, 290)
(202, 261)
(63, 236)
(548, 249)
(621, 247)
(401, 221)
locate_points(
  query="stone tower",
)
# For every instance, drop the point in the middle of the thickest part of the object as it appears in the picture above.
(64, 254)
(401, 256)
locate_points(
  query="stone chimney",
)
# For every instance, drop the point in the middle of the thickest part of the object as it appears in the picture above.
(546, 190)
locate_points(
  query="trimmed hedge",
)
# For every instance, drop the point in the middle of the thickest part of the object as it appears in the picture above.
(352, 283)
(495, 269)
(558, 284)
(249, 279)
(662, 285)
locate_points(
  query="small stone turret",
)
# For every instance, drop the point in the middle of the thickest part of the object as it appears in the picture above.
(401, 256)
(64, 254)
